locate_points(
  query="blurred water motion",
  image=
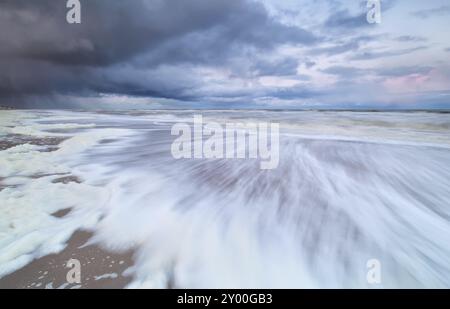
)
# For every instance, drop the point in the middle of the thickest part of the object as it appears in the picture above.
(350, 187)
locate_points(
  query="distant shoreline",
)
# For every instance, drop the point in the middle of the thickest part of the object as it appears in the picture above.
(362, 110)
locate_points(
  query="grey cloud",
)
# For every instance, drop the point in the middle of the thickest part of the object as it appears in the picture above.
(41, 54)
(367, 55)
(345, 71)
(410, 38)
(284, 67)
(352, 44)
(299, 92)
(348, 72)
(115, 31)
(202, 52)
(309, 64)
(405, 70)
(337, 49)
(343, 19)
(440, 11)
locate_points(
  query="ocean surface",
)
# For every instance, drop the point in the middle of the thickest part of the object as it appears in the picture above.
(351, 187)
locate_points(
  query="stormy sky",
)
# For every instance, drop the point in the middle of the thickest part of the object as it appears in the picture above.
(225, 54)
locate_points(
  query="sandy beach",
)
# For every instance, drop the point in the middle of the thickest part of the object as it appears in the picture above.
(100, 269)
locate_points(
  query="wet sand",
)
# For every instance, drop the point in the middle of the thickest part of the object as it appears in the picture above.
(100, 269)
(14, 140)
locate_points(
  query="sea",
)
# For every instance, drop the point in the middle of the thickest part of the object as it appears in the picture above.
(359, 199)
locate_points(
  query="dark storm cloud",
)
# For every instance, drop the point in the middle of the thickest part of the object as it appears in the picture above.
(110, 32)
(41, 54)
(202, 52)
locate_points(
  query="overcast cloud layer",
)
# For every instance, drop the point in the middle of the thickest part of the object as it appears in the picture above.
(225, 54)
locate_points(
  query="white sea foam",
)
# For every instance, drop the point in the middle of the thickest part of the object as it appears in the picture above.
(9, 119)
(106, 276)
(27, 229)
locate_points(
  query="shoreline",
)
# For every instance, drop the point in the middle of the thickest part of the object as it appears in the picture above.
(269, 110)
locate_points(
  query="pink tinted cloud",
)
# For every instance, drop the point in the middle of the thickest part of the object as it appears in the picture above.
(435, 80)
